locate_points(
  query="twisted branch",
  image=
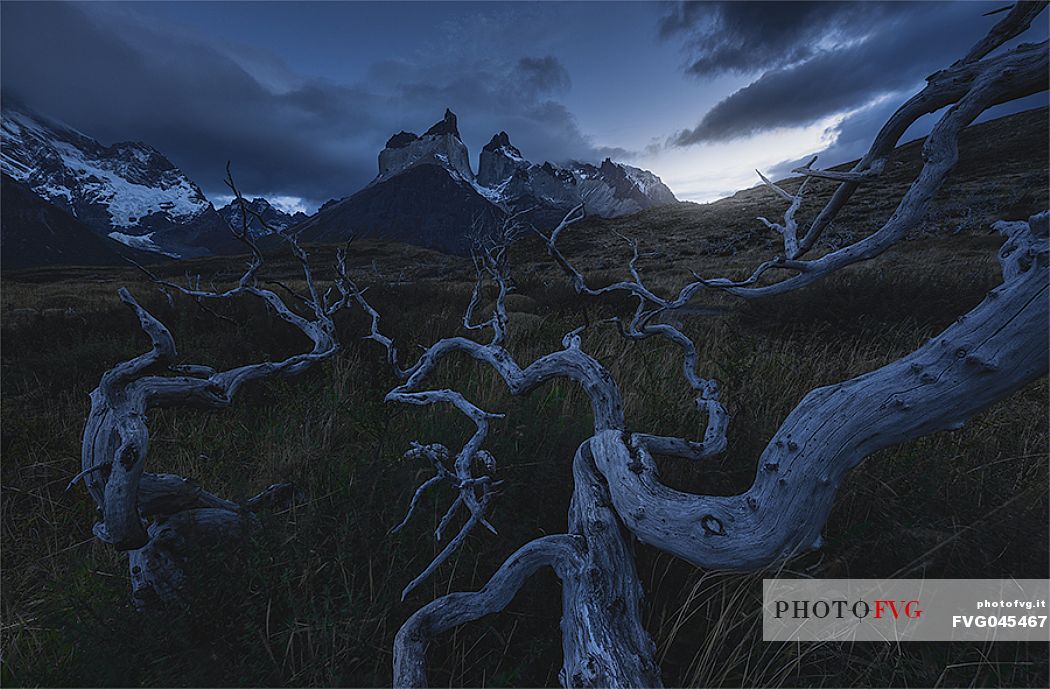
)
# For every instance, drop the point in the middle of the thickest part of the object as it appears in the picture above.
(492, 265)
(116, 436)
(990, 352)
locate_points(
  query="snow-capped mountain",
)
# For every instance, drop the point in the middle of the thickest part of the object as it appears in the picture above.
(128, 191)
(276, 219)
(37, 233)
(608, 190)
(426, 192)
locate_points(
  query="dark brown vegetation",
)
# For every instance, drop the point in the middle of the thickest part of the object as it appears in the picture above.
(315, 598)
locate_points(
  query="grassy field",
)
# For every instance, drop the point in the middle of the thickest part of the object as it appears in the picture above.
(314, 599)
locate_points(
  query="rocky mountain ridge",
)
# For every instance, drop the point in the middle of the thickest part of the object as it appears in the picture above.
(411, 198)
(275, 219)
(425, 193)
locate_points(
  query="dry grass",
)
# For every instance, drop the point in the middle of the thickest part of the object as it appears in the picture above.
(314, 598)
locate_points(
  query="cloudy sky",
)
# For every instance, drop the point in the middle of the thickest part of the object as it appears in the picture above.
(302, 96)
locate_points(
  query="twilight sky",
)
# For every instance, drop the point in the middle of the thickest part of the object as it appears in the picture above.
(302, 96)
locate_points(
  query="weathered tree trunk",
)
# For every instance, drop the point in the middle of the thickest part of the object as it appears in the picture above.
(603, 641)
(161, 519)
(158, 569)
(989, 353)
(116, 444)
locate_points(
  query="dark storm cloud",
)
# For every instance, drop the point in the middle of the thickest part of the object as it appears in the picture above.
(195, 105)
(750, 36)
(543, 75)
(109, 75)
(863, 53)
(513, 96)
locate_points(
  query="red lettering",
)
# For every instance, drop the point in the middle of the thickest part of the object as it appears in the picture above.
(880, 606)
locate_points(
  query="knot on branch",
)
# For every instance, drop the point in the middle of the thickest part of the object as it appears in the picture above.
(712, 525)
(1027, 244)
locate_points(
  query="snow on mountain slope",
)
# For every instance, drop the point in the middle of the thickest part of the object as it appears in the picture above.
(38, 233)
(276, 219)
(128, 188)
(609, 190)
(143, 242)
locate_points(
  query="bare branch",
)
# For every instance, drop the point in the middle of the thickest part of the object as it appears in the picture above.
(986, 355)
(644, 325)
(873, 171)
(990, 352)
(116, 437)
(1026, 74)
(789, 230)
(571, 363)
(673, 447)
(604, 642)
(942, 88)
(1019, 20)
(976, 87)
(448, 612)
(454, 544)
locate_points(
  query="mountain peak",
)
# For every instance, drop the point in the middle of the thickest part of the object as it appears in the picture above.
(498, 160)
(447, 125)
(274, 217)
(501, 143)
(497, 142)
(405, 150)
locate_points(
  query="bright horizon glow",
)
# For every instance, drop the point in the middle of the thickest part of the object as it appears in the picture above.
(700, 173)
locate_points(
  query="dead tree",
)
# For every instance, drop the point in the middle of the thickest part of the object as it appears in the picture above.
(990, 352)
(161, 519)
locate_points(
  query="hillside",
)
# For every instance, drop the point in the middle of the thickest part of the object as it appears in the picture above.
(1002, 173)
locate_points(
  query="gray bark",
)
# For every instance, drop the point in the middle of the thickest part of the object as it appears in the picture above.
(160, 519)
(989, 353)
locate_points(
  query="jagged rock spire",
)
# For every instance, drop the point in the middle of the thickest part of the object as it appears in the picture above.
(498, 141)
(447, 125)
